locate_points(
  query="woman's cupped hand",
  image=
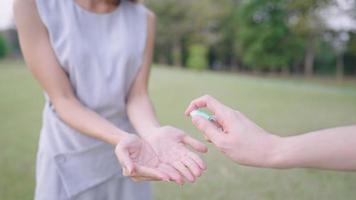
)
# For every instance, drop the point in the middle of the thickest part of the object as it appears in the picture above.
(163, 155)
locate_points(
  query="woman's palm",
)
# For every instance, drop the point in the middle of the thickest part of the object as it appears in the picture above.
(138, 160)
(162, 156)
(169, 144)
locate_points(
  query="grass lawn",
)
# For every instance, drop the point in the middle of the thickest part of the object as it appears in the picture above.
(282, 106)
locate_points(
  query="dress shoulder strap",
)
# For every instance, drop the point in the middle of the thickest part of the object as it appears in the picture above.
(51, 11)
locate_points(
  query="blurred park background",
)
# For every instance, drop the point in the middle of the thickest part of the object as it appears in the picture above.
(290, 65)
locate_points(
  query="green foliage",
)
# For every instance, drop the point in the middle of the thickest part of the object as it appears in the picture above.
(264, 38)
(197, 57)
(3, 47)
(265, 35)
(180, 20)
(352, 44)
(325, 60)
(350, 55)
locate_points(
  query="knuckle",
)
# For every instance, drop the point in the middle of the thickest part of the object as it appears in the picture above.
(207, 97)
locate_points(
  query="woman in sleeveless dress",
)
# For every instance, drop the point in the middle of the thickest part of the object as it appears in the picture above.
(92, 59)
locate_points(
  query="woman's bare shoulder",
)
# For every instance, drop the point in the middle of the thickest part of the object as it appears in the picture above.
(25, 11)
(23, 5)
(151, 15)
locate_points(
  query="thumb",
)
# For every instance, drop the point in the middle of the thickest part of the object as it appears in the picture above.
(124, 159)
(209, 130)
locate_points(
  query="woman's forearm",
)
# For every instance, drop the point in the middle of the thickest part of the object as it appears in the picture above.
(71, 111)
(139, 107)
(333, 149)
(142, 114)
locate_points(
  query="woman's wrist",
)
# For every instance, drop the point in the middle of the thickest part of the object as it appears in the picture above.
(148, 130)
(280, 156)
(116, 136)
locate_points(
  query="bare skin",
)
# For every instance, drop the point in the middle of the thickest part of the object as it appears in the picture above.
(139, 156)
(248, 144)
(98, 6)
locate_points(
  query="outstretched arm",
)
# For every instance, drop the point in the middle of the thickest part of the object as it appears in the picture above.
(248, 144)
(325, 149)
(168, 143)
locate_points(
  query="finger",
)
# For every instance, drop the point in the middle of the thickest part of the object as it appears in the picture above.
(197, 160)
(195, 144)
(123, 156)
(150, 173)
(208, 129)
(184, 171)
(205, 101)
(173, 174)
(192, 166)
(144, 178)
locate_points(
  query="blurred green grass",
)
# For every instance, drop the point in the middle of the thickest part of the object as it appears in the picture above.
(282, 106)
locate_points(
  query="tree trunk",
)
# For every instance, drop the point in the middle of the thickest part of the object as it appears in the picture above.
(234, 66)
(340, 66)
(177, 53)
(296, 66)
(309, 57)
(162, 60)
(285, 71)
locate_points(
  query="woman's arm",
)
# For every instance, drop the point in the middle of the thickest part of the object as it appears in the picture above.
(43, 64)
(139, 107)
(248, 144)
(167, 142)
(136, 157)
(325, 149)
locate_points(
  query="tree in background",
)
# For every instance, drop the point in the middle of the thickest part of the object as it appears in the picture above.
(263, 37)
(224, 51)
(306, 23)
(179, 22)
(338, 35)
(338, 41)
(3, 47)
(350, 55)
(173, 23)
(197, 58)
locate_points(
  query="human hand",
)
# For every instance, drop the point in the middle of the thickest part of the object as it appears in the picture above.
(236, 136)
(139, 161)
(169, 144)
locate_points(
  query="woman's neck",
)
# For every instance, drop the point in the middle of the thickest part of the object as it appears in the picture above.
(99, 6)
(108, 2)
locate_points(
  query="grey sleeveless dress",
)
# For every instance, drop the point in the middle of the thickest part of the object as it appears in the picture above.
(101, 54)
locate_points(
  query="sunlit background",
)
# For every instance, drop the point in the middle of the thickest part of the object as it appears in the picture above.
(290, 65)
